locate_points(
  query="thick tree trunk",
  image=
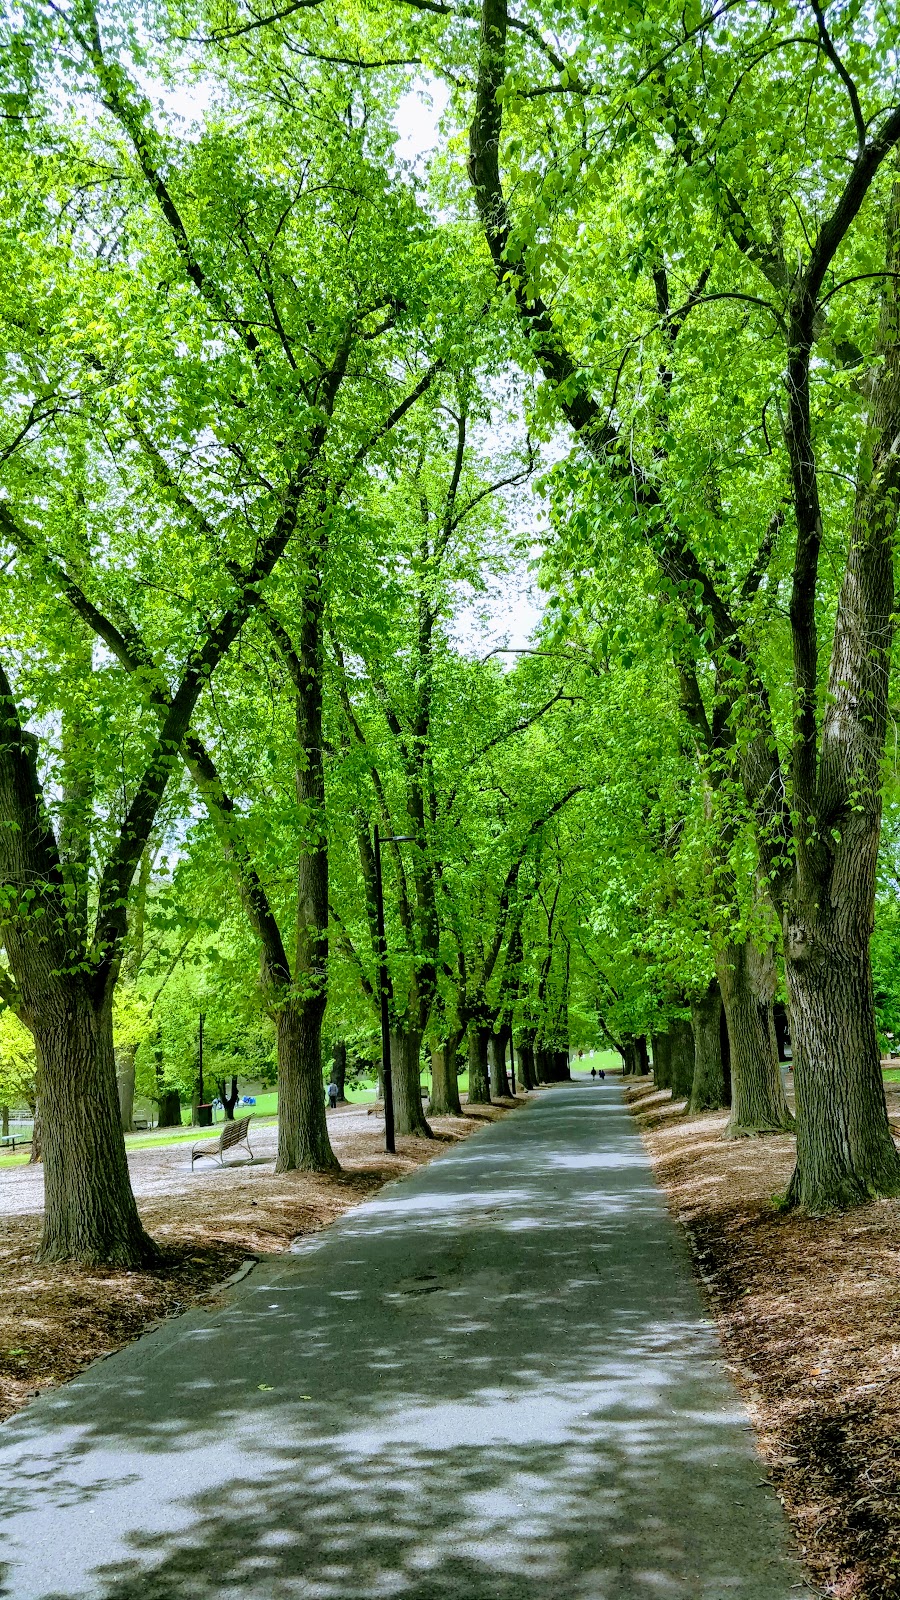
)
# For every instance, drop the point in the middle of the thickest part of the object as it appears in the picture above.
(682, 1055)
(339, 1070)
(479, 1083)
(497, 1064)
(229, 1100)
(406, 1074)
(661, 1044)
(89, 1210)
(747, 982)
(527, 1076)
(169, 1109)
(629, 1053)
(643, 1057)
(303, 1142)
(125, 1059)
(708, 1087)
(845, 1153)
(444, 1101)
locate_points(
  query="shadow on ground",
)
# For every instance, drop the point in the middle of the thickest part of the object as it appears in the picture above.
(493, 1381)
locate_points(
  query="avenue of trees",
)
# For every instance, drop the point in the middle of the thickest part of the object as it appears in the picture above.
(282, 408)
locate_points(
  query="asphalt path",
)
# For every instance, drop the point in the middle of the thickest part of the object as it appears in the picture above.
(493, 1381)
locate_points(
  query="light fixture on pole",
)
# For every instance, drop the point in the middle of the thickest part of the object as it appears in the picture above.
(386, 1077)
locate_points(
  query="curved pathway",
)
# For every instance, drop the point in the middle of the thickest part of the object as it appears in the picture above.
(493, 1381)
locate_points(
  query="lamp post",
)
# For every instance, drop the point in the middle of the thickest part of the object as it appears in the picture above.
(386, 1078)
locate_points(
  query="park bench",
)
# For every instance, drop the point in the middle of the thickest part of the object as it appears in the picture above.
(232, 1133)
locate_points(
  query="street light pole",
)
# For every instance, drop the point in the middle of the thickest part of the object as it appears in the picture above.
(386, 1076)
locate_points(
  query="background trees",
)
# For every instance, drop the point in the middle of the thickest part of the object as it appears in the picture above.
(276, 406)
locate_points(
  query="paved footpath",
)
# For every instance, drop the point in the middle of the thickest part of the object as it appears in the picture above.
(493, 1381)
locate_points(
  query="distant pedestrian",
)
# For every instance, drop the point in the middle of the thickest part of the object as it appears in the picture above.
(603, 1074)
(332, 1095)
(593, 1072)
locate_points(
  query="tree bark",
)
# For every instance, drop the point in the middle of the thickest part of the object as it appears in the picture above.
(661, 1044)
(479, 1083)
(629, 1052)
(444, 1101)
(229, 1101)
(169, 1109)
(125, 1072)
(4, 1122)
(527, 1075)
(682, 1056)
(36, 1153)
(89, 1210)
(747, 982)
(643, 1058)
(708, 1087)
(497, 1064)
(406, 1073)
(339, 1070)
(303, 1142)
(845, 1153)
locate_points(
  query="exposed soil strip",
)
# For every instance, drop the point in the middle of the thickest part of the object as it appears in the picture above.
(809, 1314)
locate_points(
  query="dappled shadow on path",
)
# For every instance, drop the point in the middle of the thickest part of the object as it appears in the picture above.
(492, 1381)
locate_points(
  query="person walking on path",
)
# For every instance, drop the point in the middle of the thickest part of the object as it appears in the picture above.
(332, 1095)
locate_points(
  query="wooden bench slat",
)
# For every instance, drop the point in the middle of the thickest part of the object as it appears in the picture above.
(232, 1133)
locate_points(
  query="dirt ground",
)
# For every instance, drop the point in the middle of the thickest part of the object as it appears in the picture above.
(56, 1320)
(809, 1313)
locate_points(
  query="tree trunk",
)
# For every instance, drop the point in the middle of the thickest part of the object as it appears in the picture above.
(526, 1065)
(845, 1153)
(512, 1066)
(444, 1100)
(406, 1074)
(682, 1055)
(725, 1048)
(169, 1109)
(303, 1142)
(479, 1084)
(4, 1122)
(125, 1059)
(643, 1057)
(661, 1044)
(339, 1071)
(708, 1087)
(229, 1101)
(747, 981)
(89, 1210)
(497, 1063)
(629, 1053)
(37, 1137)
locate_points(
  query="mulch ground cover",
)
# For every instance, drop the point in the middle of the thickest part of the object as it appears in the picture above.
(809, 1313)
(56, 1320)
